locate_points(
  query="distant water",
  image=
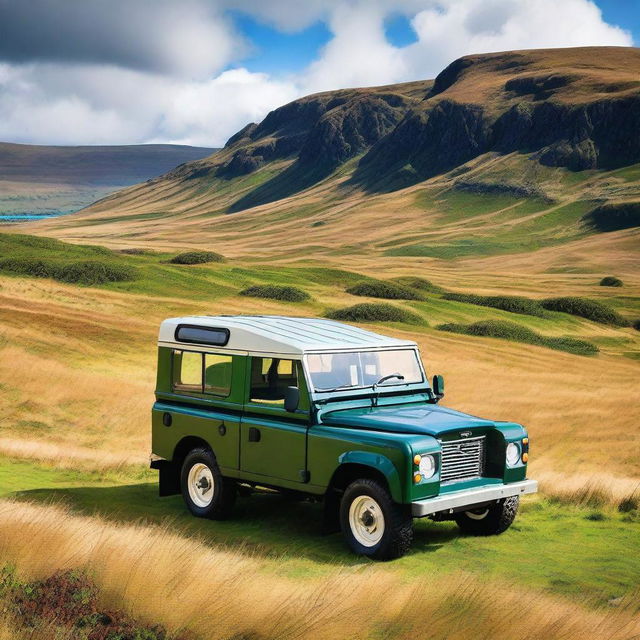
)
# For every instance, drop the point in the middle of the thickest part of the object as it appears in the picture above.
(20, 217)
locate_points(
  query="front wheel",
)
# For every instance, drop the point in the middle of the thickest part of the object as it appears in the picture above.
(490, 520)
(205, 491)
(372, 523)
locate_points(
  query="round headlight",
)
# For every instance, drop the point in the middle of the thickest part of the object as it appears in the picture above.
(427, 466)
(513, 454)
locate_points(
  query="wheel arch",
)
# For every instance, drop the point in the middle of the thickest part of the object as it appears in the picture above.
(170, 482)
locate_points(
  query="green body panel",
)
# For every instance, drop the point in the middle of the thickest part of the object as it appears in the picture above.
(306, 450)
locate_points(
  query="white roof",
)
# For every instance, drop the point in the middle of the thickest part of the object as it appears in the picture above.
(283, 335)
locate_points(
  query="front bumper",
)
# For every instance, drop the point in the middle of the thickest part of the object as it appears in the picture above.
(471, 497)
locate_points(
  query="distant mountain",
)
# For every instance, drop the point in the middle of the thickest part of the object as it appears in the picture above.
(44, 180)
(501, 153)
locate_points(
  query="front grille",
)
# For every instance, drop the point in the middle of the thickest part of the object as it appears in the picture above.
(462, 459)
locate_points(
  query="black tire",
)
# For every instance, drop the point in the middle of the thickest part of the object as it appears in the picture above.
(491, 520)
(219, 504)
(398, 524)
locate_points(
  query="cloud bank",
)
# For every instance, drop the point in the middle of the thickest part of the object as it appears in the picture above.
(134, 71)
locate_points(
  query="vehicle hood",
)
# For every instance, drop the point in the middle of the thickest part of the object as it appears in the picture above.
(429, 419)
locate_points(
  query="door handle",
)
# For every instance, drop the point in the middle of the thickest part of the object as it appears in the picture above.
(254, 434)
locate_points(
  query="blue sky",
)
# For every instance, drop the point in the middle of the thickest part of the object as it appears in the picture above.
(196, 71)
(278, 52)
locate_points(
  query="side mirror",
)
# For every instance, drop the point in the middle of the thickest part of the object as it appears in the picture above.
(291, 399)
(438, 386)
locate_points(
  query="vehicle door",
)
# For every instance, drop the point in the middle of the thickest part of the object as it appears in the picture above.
(273, 441)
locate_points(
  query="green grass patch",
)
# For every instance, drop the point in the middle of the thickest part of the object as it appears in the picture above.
(196, 257)
(585, 308)
(611, 281)
(517, 333)
(375, 312)
(276, 292)
(385, 290)
(513, 304)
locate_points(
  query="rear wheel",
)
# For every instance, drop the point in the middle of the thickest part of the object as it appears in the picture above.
(205, 491)
(372, 523)
(490, 520)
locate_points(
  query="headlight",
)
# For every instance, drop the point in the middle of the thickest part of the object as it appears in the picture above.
(427, 466)
(513, 454)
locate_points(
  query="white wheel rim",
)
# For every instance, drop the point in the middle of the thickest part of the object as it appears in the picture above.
(200, 484)
(366, 521)
(477, 514)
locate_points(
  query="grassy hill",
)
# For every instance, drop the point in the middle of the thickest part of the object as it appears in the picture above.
(48, 180)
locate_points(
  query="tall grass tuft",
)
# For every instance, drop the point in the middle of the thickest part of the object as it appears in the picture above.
(192, 589)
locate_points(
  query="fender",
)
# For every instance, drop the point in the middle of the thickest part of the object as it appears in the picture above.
(379, 463)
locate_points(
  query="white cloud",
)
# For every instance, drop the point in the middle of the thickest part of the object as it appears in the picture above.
(153, 70)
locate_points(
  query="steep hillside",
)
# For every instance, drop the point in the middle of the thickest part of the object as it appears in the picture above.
(518, 153)
(46, 180)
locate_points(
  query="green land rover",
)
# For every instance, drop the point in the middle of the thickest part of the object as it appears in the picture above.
(332, 412)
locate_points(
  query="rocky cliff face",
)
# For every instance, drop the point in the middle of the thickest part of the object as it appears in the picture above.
(574, 108)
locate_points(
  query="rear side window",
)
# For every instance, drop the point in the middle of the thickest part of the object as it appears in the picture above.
(195, 372)
(202, 335)
(187, 371)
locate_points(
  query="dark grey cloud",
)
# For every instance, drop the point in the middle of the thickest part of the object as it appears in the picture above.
(190, 37)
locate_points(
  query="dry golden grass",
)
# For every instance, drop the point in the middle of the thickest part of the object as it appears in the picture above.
(219, 594)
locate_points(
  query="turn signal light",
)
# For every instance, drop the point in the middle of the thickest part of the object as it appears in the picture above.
(417, 458)
(525, 457)
(417, 477)
(525, 440)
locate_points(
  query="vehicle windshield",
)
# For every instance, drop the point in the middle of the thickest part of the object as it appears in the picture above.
(333, 371)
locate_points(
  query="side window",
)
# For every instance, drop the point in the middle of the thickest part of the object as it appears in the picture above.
(217, 374)
(270, 378)
(187, 371)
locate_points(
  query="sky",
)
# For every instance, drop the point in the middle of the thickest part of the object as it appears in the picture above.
(196, 71)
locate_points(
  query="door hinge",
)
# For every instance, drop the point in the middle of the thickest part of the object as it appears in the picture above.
(305, 475)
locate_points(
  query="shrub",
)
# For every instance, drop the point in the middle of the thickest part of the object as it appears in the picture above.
(610, 281)
(93, 272)
(513, 304)
(517, 333)
(196, 257)
(29, 267)
(276, 292)
(385, 290)
(375, 312)
(636, 324)
(630, 503)
(421, 284)
(88, 273)
(585, 308)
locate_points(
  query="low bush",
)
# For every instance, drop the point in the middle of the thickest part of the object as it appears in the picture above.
(88, 273)
(517, 333)
(375, 312)
(513, 304)
(385, 290)
(610, 281)
(276, 292)
(636, 324)
(94, 272)
(421, 284)
(196, 257)
(629, 503)
(585, 308)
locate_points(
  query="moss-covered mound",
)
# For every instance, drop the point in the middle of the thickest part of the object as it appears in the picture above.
(375, 312)
(88, 272)
(517, 333)
(196, 257)
(420, 284)
(513, 304)
(276, 292)
(610, 281)
(384, 290)
(586, 308)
